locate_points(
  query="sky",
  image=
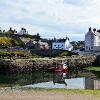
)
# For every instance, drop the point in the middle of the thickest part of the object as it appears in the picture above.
(51, 18)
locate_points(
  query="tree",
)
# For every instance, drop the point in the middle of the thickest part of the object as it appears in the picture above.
(37, 37)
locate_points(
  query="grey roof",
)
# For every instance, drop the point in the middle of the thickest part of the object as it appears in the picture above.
(94, 31)
(61, 40)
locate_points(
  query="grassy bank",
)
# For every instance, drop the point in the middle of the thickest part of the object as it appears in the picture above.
(93, 68)
(7, 41)
(68, 91)
(76, 91)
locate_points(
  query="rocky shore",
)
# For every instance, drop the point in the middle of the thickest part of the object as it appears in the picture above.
(29, 65)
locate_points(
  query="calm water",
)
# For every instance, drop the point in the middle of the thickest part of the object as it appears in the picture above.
(74, 83)
(39, 79)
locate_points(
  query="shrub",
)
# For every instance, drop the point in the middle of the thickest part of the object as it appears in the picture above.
(6, 42)
(65, 53)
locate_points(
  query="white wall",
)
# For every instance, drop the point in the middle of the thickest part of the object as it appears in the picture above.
(92, 41)
(67, 44)
(21, 32)
(97, 40)
(89, 41)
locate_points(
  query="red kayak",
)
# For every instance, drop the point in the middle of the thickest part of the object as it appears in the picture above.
(61, 68)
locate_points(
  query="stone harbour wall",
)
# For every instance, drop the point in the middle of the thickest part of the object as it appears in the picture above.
(29, 65)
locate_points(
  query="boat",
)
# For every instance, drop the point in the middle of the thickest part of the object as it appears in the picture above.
(60, 68)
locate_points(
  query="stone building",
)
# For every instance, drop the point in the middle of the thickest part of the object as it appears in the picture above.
(22, 31)
(92, 40)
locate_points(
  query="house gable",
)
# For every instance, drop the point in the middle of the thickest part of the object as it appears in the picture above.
(92, 40)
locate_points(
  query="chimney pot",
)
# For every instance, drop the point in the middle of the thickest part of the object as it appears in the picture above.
(94, 29)
(90, 29)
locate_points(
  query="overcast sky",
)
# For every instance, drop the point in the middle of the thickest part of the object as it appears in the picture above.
(51, 18)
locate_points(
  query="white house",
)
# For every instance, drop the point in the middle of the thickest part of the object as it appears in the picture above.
(22, 31)
(92, 40)
(62, 44)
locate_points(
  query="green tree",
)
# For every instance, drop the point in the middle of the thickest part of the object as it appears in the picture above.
(37, 37)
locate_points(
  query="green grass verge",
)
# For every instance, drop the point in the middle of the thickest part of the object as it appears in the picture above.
(93, 68)
(6, 41)
(68, 91)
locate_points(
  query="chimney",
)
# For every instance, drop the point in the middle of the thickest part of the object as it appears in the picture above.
(21, 28)
(90, 29)
(98, 30)
(0, 29)
(94, 30)
(10, 29)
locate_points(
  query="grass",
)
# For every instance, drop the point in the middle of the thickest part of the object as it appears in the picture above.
(93, 68)
(16, 52)
(6, 41)
(68, 91)
(95, 92)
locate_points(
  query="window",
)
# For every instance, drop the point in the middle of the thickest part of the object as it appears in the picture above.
(92, 37)
(86, 47)
(91, 47)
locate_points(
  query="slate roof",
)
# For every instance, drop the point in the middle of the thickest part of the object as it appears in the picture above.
(94, 31)
(61, 40)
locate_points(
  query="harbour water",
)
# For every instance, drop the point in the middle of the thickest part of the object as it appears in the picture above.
(40, 79)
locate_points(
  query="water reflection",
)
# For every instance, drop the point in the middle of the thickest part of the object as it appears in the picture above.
(60, 80)
(51, 80)
(92, 83)
(74, 83)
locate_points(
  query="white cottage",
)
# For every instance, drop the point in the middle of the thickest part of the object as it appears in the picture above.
(92, 40)
(62, 44)
(22, 31)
